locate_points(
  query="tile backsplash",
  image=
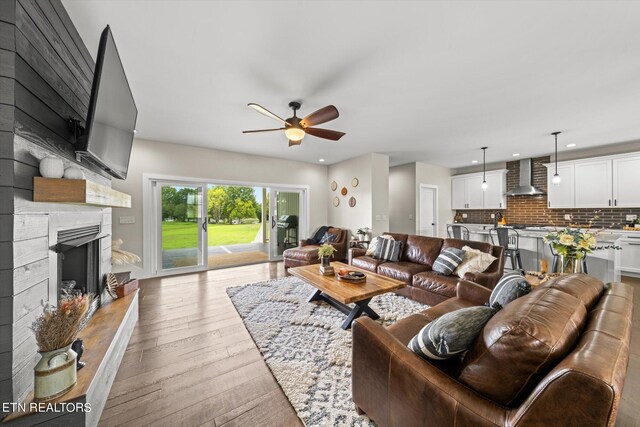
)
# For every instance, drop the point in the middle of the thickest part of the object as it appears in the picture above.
(533, 209)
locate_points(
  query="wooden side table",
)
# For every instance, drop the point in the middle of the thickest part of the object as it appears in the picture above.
(536, 278)
(362, 244)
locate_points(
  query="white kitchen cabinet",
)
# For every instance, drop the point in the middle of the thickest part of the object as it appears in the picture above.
(630, 254)
(626, 182)
(458, 192)
(593, 183)
(562, 195)
(494, 197)
(466, 191)
(474, 192)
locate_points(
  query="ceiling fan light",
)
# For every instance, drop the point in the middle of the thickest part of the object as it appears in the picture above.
(294, 133)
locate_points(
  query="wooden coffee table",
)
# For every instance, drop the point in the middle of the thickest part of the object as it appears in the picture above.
(339, 294)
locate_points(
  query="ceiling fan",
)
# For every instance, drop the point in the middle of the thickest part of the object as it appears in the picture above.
(296, 128)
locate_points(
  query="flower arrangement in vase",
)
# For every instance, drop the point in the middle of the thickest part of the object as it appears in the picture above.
(55, 330)
(573, 245)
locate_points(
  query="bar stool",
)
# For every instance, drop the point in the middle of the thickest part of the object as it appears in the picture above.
(509, 239)
(455, 231)
(556, 259)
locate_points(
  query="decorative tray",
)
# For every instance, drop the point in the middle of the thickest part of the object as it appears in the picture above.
(351, 276)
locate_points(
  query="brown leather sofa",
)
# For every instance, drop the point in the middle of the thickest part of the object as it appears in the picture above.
(555, 357)
(306, 254)
(414, 267)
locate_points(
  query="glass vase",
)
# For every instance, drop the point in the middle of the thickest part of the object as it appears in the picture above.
(570, 264)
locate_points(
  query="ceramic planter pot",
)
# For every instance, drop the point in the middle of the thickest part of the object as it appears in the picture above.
(55, 374)
(51, 167)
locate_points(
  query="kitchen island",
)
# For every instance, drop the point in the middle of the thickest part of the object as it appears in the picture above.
(604, 264)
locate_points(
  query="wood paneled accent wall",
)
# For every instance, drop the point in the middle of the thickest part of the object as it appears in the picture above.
(46, 74)
(533, 209)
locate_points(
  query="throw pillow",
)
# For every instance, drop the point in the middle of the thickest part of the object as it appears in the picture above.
(511, 286)
(389, 250)
(450, 334)
(447, 261)
(474, 261)
(328, 238)
(371, 249)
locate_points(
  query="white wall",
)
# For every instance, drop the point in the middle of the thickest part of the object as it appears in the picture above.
(440, 177)
(181, 160)
(372, 193)
(402, 199)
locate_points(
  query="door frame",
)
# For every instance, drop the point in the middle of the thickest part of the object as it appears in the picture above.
(149, 228)
(435, 208)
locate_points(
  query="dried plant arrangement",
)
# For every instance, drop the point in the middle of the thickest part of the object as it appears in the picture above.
(59, 326)
(120, 256)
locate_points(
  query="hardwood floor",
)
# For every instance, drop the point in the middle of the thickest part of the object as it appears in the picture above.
(191, 361)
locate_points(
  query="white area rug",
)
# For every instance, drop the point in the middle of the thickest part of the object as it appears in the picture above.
(305, 348)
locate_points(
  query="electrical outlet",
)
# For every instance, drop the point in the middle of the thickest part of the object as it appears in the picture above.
(464, 215)
(378, 218)
(632, 217)
(493, 216)
(127, 220)
(568, 217)
(410, 216)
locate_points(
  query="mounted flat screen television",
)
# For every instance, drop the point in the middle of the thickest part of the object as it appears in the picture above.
(111, 121)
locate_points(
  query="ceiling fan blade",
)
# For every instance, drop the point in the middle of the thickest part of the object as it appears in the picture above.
(261, 130)
(260, 109)
(333, 135)
(292, 143)
(323, 115)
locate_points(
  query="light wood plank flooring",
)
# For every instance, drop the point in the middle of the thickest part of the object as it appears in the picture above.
(191, 361)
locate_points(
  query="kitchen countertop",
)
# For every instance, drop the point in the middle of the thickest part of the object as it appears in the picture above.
(604, 236)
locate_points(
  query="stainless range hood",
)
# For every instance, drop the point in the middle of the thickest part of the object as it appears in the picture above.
(525, 188)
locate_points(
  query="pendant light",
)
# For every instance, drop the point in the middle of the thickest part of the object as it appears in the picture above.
(484, 169)
(556, 180)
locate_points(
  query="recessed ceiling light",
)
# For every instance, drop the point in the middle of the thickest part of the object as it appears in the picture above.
(571, 145)
(515, 154)
(474, 161)
(321, 160)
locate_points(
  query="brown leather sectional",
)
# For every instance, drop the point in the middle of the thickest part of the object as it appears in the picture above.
(414, 267)
(555, 357)
(306, 254)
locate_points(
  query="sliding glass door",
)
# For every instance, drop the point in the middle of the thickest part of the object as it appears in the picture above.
(195, 225)
(182, 231)
(286, 207)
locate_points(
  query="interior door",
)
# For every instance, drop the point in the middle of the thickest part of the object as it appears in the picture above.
(428, 212)
(286, 214)
(182, 227)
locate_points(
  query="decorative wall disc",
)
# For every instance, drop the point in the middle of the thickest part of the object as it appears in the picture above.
(344, 191)
(355, 182)
(334, 186)
(352, 201)
(336, 202)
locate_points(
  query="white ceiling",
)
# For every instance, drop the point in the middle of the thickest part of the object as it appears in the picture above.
(419, 81)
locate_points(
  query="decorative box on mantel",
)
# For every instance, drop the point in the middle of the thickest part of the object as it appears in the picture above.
(77, 191)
